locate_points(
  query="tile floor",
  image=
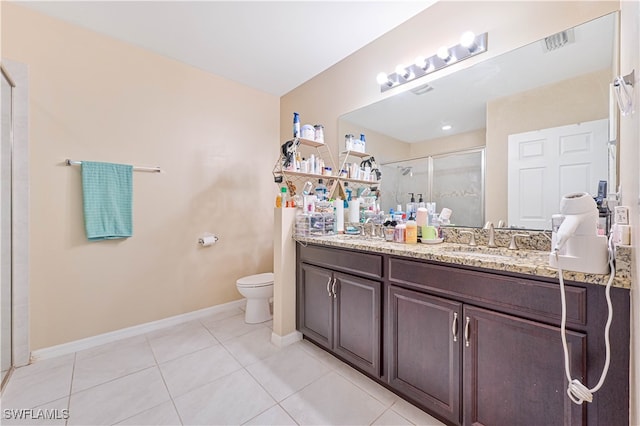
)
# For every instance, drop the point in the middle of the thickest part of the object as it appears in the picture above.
(216, 370)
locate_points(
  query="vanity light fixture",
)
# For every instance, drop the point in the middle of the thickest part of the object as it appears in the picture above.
(468, 40)
(403, 71)
(445, 54)
(383, 79)
(470, 45)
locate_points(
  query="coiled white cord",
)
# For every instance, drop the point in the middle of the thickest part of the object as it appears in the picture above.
(577, 391)
(624, 95)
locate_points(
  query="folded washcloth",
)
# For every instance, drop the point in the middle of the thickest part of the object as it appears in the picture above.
(107, 198)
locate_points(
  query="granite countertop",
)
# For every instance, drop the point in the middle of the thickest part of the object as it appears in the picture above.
(523, 261)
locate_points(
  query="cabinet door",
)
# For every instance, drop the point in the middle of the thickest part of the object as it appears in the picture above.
(357, 321)
(315, 304)
(514, 371)
(423, 350)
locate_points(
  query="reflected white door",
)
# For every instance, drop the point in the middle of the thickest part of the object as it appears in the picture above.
(546, 164)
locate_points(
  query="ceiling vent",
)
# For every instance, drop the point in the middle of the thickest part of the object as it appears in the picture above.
(421, 90)
(558, 40)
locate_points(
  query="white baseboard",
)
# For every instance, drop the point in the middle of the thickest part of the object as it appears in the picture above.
(136, 330)
(282, 341)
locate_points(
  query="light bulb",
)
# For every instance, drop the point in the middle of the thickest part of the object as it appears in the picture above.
(468, 40)
(444, 54)
(421, 62)
(402, 71)
(382, 78)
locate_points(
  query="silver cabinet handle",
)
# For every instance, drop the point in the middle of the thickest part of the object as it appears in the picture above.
(466, 332)
(328, 284)
(333, 287)
(454, 327)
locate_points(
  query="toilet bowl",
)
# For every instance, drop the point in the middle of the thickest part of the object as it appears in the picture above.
(258, 289)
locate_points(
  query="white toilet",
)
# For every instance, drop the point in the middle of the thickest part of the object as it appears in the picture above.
(258, 289)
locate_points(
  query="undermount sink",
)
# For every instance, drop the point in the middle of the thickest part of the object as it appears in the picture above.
(480, 255)
(491, 253)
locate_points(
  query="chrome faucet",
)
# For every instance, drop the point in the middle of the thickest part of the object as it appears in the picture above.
(472, 239)
(492, 234)
(513, 245)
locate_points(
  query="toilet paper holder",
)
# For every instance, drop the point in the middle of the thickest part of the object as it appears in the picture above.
(207, 239)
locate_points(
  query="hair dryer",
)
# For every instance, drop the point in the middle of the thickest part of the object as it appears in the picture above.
(583, 250)
(580, 217)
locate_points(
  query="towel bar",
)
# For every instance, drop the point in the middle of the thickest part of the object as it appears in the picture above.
(136, 168)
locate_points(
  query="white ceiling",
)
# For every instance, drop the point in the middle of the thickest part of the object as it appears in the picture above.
(273, 46)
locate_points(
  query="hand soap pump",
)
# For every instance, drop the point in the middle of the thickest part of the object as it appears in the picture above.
(411, 206)
(420, 202)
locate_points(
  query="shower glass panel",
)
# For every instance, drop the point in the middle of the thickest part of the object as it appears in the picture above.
(458, 184)
(455, 181)
(400, 179)
(5, 225)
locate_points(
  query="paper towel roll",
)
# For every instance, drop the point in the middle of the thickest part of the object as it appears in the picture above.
(354, 211)
(339, 205)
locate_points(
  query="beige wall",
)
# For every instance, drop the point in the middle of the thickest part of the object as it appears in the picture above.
(459, 142)
(585, 98)
(94, 98)
(384, 148)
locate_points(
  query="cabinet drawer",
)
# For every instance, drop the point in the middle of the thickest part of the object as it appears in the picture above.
(524, 297)
(369, 265)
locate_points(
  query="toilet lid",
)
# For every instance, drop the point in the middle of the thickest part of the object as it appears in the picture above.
(257, 280)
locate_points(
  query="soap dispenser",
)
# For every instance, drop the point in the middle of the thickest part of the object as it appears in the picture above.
(411, 206)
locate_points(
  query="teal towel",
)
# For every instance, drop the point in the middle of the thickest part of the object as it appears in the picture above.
(107, 198)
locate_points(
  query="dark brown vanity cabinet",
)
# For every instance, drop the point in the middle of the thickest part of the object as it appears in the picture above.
(342, 313)
(513, 371)
(468, 346)
(423, 349)
(503, 369)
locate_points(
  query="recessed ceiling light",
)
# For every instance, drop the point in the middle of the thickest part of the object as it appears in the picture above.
(447, 127)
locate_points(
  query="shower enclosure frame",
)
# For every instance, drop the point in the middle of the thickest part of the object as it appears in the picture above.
(21, 351)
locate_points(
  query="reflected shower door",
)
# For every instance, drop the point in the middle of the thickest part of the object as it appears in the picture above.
(458, 184)
(6, 152)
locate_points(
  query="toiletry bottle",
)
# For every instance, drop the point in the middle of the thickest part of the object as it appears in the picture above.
(321, 190)
(347, 198)
(281, 197)
(420, 201)
(290, 201)
(318, 133)
(363, 143)
(411, 231)
(296, 125)
(411, 205)
(298, 161)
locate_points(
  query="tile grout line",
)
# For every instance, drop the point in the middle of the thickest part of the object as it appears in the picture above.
(73, 372)
(163, 381)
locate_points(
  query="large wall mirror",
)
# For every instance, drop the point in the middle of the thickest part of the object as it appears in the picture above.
(495, 105)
